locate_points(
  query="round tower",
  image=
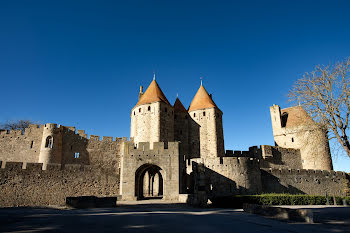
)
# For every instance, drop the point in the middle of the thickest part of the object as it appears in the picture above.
(206, 130)
(294, 128)
(152, 118)
(51, 145)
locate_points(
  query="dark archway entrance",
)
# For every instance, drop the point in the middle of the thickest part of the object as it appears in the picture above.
(148, 182)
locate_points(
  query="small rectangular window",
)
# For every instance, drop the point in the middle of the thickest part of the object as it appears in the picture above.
(203, 113)
(76, 155)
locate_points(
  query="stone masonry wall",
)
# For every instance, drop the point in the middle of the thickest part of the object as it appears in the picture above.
(181, 134)
(145, 123)
(18, 146)
(93, 151)
(313, 182)
(308, 137)
(28, 146)
(231, 175)
(33, 186)
(278, 157)
(166, 123)
(211, 139)
(167, 159)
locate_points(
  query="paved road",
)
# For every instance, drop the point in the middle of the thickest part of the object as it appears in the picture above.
(169, 218)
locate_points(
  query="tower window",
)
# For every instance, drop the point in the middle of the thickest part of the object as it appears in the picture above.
(76, 155)
(292, 139)
(203, 113)
(149, 108)
(139, 109)
(31, 144)
(49, 142)
(134, 113)
(194, 114)
(284, 119)
(166, 109)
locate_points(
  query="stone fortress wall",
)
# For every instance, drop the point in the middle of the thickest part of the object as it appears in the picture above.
(31, 146)
(16, 145)
(229, 175)
(304, 181)
(267, 169)
(167, 146)
(33, 173)
(28, 184)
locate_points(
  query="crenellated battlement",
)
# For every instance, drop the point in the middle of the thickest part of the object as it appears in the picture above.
(71, 130)
(33, 128)
(37, 167)
(253, 152)
(229, 163)
(96, 138)
(305, 172)
(158, 149)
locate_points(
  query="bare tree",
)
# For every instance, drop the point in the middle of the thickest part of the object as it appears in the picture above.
(16, 125)
(324, 94)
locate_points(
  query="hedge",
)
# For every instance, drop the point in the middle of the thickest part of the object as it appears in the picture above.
(275, 199)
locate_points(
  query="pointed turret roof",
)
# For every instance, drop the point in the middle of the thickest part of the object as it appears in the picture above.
(178, 106)
(201, 100)
(152, 94)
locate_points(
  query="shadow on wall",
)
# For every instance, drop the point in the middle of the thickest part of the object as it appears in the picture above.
(74, 149)
(194, 139)
(216, 185)
(271, 184)
(205, 179)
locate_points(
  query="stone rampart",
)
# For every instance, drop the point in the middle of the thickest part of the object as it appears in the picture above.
(18, 145)
(70, 146)
(313, 182)
(231, 175)
(26, 184)
(278, 157)
(253, 152)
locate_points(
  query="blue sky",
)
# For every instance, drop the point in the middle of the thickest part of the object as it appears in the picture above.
(81, 63)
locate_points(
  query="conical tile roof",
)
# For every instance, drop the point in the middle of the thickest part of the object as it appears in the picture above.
(152, 94)
(178, 106)
(201, 100)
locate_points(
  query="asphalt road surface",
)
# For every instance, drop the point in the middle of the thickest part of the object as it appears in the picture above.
(169, 218)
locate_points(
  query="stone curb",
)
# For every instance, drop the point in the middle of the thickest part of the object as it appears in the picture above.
(295, 215)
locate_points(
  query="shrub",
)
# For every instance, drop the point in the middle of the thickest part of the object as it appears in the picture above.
(275, 199)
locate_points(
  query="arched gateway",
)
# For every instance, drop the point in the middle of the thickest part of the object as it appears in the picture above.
(149, 173)
(148, 182)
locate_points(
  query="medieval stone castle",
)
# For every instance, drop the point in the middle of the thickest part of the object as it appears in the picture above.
(173, 152)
